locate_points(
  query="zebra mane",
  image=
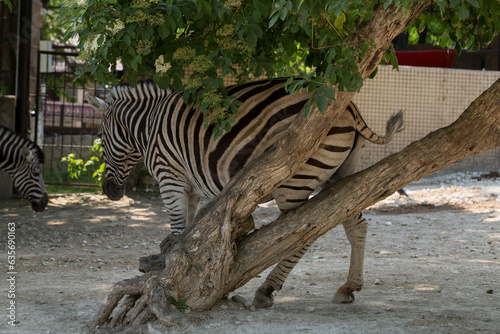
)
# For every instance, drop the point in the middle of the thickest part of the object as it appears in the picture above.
(143, 88)
(25, 142)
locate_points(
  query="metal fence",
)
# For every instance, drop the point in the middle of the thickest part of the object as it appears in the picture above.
(431, 98)
(65, 123)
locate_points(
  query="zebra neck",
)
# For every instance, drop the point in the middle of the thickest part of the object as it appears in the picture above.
(136, 124)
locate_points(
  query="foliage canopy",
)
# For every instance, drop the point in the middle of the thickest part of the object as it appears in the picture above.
(308, 39)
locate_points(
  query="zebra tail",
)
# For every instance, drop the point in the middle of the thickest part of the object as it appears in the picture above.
(394, 124)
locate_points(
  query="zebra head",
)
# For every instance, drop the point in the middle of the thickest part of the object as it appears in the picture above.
(120, 156)
(28, 178)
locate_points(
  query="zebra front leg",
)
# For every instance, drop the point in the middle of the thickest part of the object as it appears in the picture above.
(274, 281)
(355, 230)
(181, 207)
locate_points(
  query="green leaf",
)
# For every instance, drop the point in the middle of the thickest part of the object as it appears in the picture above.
(251, 39)
(463, 11)
(339, 22)
(322, 102)
(132, 79)
(9, 4)
(104, 51)
(294, 86)
(283, 14)
(163, 31)
(454, 3)
(474, 3)
(127, 39)
(330, 93)
(177, 82)
(171, 23)
(135, 62)
(199, 5)
(273, 19)
(308, 107)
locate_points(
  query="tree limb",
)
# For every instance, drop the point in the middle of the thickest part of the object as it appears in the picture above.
(303, 137)
(475, 131)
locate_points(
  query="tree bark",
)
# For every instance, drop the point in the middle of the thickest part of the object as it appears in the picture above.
(206, 263)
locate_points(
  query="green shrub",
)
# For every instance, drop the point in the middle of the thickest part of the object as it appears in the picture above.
(95, 165)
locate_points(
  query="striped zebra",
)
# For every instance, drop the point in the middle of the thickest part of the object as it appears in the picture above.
(21, 159)
(182, 155)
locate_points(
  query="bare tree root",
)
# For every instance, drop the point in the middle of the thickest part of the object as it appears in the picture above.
(127, 303)
(157, 306)
(127, 287)
(134, 301)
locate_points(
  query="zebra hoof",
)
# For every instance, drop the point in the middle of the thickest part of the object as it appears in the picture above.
(343, 296)
(261, 300)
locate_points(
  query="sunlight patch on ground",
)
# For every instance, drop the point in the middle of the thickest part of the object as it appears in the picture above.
(286, 299)
(492, 218)
(103, 287)
(483, 261)
(136, 225)
(426, 287)
(55, 222)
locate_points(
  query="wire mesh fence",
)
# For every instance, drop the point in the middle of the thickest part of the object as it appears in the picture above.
(431, 98)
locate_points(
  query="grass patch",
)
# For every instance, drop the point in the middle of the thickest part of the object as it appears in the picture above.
(71, 190)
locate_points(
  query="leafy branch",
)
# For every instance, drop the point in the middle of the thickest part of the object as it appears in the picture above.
(77, 166)
(307, 39)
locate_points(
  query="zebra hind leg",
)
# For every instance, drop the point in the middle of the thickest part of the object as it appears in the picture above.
(274, 281)
(355, 230)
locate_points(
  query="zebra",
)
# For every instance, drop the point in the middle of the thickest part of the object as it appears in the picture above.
(21, 159)
(181, 154)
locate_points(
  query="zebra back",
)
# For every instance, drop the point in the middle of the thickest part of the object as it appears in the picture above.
(10, 140)
(21, 159)
(160, 124)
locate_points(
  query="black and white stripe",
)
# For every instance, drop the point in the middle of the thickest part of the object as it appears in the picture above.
(21, 159)
(187, 163)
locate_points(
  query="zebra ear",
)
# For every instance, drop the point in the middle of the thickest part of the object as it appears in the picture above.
(96, 102)
(27, 153)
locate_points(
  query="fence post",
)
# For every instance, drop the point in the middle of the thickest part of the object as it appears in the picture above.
(7, 119)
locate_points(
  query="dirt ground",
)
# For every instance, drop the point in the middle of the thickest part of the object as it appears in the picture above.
(432, 266)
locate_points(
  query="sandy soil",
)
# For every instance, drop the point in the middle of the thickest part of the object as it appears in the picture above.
(432, 266)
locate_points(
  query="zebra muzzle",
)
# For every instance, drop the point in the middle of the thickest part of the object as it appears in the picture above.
(112, 190)
(40, 205)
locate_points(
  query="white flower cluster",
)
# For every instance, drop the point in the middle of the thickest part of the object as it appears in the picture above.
(73, 3)
(91, 43)
(118, 26)
(160, 65)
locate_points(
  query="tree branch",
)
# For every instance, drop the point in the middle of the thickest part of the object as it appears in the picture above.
(298, 142)
(475, 131)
